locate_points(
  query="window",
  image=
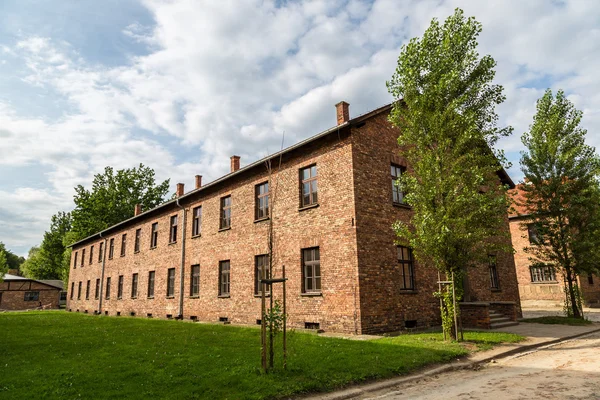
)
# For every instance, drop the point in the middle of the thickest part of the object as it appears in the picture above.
(397, 195)
(32, 296)
(195, 281)
(197, 221)
(534, 236)
(120, 287)
(134, 285)
(79, 291)
(543, 273)
(260, 262)
(75, 260)
(154, 235)
(111, 248)
(308, 177)
(82, 257)
(225, 212)
(262, 200)
(123, 244)
(72, 289)
(494, 283)
(107, 288)
(171, 282)
(100, 252)
(91, 255)
(87, 290)
(138, 236)
(405, 262)
(311, 271)
(224, 278)
(173, 229)
(97, 291)
(590, 279)
(151, 275)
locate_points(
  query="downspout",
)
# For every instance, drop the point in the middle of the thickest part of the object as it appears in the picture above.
(102, 275)
(182, 267)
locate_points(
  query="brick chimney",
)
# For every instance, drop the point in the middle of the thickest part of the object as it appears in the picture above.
(342, 112)
(198, 181)
(180, 189)
(137, 210)
(235, 163)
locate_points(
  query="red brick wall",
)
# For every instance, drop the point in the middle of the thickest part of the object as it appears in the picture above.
(12, 295)
(329, 226)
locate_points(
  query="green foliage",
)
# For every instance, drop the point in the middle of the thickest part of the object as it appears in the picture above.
(558, 321)
(274, 317)
(151, 358)
(575, 293)
(13, 261)
(561, 193)
(3, 265)
(113, 197)
(445, 109)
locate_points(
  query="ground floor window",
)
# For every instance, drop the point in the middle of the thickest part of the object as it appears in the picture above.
(311, 270)
(32, 296)
(224, 278)
(542, 274)
(405, 262)
(261, 262)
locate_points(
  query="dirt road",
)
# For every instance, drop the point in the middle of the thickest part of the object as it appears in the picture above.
(569, 370)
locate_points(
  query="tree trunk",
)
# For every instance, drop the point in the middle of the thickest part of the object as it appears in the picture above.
(572, 296)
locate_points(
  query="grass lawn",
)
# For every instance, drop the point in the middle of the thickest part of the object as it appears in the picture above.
(558, 320)
(68, 355)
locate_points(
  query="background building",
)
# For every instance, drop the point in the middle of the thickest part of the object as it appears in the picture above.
(19, 293)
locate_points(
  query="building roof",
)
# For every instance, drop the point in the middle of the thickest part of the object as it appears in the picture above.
(58, 284)
(501, 173)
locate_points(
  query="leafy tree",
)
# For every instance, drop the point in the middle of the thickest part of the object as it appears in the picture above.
(36, 265)
(12, 260)
(3, 264)
(561, 193)
(445, 109)
(113, 197)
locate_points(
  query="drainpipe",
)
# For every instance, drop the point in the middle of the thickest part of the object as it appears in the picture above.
(102, 275)
(182, 267)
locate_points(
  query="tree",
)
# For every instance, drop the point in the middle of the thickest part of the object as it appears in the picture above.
(113, 198)
(13, 261)
(445, 108)
(561, 193)
(3, 264)
(36, 266)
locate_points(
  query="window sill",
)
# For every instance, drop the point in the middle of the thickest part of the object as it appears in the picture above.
(150, 297)
(153, 247)
(133, 297)
(196, 236)
(402, 205)
(225, 229)
(135, 252)
(258, 296)
(193, 297)
(223, 296)
(496, 289)
(172, 243)
(312, 294)
(408, 291)
(122, 255)
(170, 297)
(119, 298)
(261, 219)
(308, 207)
(545, 283)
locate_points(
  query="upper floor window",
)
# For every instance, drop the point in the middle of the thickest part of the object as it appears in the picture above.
(75, 259)
(154, 235)
(173, 229)
(308, 178)
(397, 195)
(225, 212)
(82, 257)
(111, 248)
(261, 262)
(494, 282)
(542, 274)
(100, 251)
(224, 278)
(262, 200)
(311, 271)
(138, 237)
(171, 282)
(91, 255)
(197, 221)
(195, 281)
(123, 244)
(533, 234)
(406, 264)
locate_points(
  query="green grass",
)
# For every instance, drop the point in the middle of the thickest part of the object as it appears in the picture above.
(558, 320)
(64, 355)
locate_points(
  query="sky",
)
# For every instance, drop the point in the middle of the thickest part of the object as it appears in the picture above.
(181, 86)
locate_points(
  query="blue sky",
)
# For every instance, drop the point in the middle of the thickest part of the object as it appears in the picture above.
(181, 86)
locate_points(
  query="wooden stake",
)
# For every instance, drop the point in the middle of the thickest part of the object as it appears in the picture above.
(284, 321)
(263, 324)
(454, 307)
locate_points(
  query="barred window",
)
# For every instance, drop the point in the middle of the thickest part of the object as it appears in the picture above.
(405, 263)
(542, 274)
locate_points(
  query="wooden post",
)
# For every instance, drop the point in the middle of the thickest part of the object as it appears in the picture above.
(454, 307)
(284, 321)
(441, 302)
(271, 320)
(263, 324)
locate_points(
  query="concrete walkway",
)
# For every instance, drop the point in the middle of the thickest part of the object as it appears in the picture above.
(537, 335)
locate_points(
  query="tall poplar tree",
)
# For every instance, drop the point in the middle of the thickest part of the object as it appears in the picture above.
(561, 194)
(445, 108)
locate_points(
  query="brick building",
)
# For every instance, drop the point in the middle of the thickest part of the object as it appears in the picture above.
(542, 286)
(19, 293)
(332, 204)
